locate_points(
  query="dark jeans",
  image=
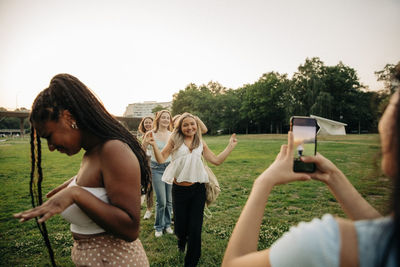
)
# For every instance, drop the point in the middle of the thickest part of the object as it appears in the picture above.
(188, 205)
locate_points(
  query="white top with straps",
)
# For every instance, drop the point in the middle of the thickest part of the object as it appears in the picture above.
(186, 166)
(80, 222)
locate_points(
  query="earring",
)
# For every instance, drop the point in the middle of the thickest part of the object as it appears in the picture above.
(74, 126)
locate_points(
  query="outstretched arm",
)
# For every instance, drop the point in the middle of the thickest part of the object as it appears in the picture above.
(217, 160)
(161, 156)
(247, 228)
(352, 203)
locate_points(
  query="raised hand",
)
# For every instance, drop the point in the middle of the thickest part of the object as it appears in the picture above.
(281, 170)
(149, 138)
(233, 141)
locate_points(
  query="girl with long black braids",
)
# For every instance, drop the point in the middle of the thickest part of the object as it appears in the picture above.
(102, 201)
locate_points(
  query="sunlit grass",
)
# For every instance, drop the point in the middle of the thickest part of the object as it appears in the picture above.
(356, 155)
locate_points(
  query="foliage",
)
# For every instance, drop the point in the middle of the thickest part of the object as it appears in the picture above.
(157, 109)
(265, 106)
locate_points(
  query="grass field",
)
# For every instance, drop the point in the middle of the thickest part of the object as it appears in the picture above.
(356, 155)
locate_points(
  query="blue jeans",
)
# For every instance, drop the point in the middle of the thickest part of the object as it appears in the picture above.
(163, 197)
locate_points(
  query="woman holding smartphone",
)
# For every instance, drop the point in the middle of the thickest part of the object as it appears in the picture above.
(365, 239)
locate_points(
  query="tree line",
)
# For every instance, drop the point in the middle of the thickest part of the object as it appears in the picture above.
(332, 92)
(265, 106)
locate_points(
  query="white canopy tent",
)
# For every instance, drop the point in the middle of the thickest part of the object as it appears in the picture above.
(329, 127)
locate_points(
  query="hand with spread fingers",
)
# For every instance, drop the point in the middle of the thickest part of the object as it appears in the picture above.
(55, 205)
(281, 170)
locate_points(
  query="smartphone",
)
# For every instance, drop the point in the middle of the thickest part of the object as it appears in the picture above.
(305, 141)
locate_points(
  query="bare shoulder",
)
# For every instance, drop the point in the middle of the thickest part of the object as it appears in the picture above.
(349, 245)
(117, 152)
(115, 147)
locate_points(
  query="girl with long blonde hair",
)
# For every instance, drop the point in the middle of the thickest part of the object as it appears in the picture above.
(162, 127)
(187, 175)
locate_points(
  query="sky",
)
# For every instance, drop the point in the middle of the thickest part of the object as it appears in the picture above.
(130, 51)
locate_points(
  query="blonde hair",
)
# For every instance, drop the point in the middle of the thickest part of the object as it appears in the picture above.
(157, 120)
(175, 119)
(178, 137)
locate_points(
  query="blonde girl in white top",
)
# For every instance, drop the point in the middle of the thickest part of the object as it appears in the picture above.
(187, 174)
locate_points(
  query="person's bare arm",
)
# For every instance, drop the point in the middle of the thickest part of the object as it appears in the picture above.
(348, 243)
(121, 176)
(161, 156)
(59, 188)
(217, 160)
(352, 203)
(247, 228)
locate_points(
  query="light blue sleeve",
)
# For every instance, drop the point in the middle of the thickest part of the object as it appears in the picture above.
(316, 243)
(373, 237)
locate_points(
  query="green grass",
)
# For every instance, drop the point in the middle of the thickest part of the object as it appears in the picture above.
(356, 155)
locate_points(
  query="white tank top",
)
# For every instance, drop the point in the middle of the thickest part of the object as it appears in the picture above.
(186, 166)
(80, 222)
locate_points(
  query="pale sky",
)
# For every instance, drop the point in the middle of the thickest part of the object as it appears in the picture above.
(134, 51)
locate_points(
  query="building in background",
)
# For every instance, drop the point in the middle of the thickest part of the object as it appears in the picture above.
(140, 110)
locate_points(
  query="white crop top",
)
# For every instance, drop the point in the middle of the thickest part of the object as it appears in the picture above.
(80, 222)
(186, 166)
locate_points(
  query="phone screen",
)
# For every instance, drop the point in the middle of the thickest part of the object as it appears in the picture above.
(305, 143)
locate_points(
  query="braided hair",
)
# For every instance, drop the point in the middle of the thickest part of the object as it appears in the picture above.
(35, 187)
(66, 92)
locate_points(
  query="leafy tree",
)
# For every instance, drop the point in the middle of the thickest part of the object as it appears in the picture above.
(305, 87)
(157, 109)
(184, 100)
(333, 92)
(230, 112)
(263, 104)
(385, 76)
(323, 105)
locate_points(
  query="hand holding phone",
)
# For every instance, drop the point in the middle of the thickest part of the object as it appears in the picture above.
(305, 142)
